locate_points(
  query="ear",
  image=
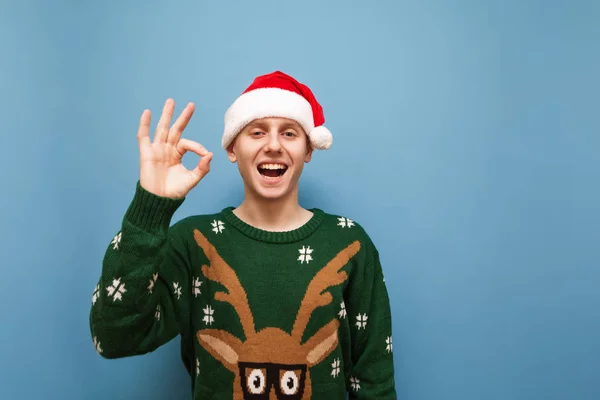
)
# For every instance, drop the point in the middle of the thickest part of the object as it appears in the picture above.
(231, 153)
(221, 345)
(319, 346)
(309, 151)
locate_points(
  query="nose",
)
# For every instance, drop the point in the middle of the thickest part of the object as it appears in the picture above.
(272, 394)
(273, 143)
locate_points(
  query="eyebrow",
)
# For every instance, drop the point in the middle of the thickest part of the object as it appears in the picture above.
(264, 125)
(256, 124)
(293, 125)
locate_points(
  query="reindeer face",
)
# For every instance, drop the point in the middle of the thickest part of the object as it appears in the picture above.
(258, 380)
(272, 362)
(284, 362)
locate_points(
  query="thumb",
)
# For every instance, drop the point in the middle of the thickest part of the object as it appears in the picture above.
(203, 166)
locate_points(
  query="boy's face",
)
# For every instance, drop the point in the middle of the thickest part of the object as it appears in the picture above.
(270, 154)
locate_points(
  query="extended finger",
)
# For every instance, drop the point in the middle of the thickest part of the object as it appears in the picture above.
(143, 133)
(162, 128)
(185, 145)
(181, 123)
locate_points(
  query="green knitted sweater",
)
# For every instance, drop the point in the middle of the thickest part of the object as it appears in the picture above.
(302, 314)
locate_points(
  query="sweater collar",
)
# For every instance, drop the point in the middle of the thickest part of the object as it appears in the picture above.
(275, 237)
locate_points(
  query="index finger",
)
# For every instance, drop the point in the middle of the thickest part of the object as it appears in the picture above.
(185, 145)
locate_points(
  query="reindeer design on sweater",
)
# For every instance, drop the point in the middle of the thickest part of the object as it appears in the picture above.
(272, 364)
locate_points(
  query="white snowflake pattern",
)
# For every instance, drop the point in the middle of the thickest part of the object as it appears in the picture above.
(97, 345)
(218, 226)
(196, 287)
(355, 383)
(197, 367)
(152, 282)
(208, 315)
(157, 313)
(335, 368)
(305, 254)
(345, 222)
(388, 343)
(361, 321)
(116, 241)
(116, 290)
(96, 294)
(177, 290)
(342, 312)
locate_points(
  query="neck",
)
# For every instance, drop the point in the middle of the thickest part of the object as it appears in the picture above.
(276, 215)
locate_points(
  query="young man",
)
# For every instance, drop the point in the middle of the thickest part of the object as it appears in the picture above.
(271, 300)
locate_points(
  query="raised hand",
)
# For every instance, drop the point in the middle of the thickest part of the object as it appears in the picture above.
(161, 170)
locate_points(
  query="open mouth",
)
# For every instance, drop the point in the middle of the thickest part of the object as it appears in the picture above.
(272, 170)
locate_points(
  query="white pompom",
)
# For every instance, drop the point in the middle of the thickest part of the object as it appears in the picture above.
(321, 138)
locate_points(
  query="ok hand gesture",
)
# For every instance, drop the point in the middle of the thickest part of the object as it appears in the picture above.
(161, 170)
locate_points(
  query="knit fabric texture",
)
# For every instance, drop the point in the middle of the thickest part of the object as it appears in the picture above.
(302, 314)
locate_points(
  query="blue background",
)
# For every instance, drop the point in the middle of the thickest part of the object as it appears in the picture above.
(466, 142)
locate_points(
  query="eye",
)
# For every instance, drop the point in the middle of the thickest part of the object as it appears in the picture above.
(256, 133)
(289, 383)
(289, 134)
(256, 381)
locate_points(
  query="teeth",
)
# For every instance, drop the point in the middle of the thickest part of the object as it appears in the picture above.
(272, 166)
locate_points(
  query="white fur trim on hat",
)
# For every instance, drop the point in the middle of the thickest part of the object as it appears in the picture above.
(273, 102)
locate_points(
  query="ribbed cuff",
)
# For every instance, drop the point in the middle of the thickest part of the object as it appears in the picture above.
(150, 212)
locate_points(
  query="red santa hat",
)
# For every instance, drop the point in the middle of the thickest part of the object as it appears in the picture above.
(278, 95)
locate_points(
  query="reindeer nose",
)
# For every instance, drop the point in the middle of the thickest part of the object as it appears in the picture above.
(272, 395)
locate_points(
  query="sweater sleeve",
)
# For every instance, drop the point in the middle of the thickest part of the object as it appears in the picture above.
(139, 302)
(368, 306)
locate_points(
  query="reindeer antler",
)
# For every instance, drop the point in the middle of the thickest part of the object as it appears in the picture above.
(328, 276)
(219, 271)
